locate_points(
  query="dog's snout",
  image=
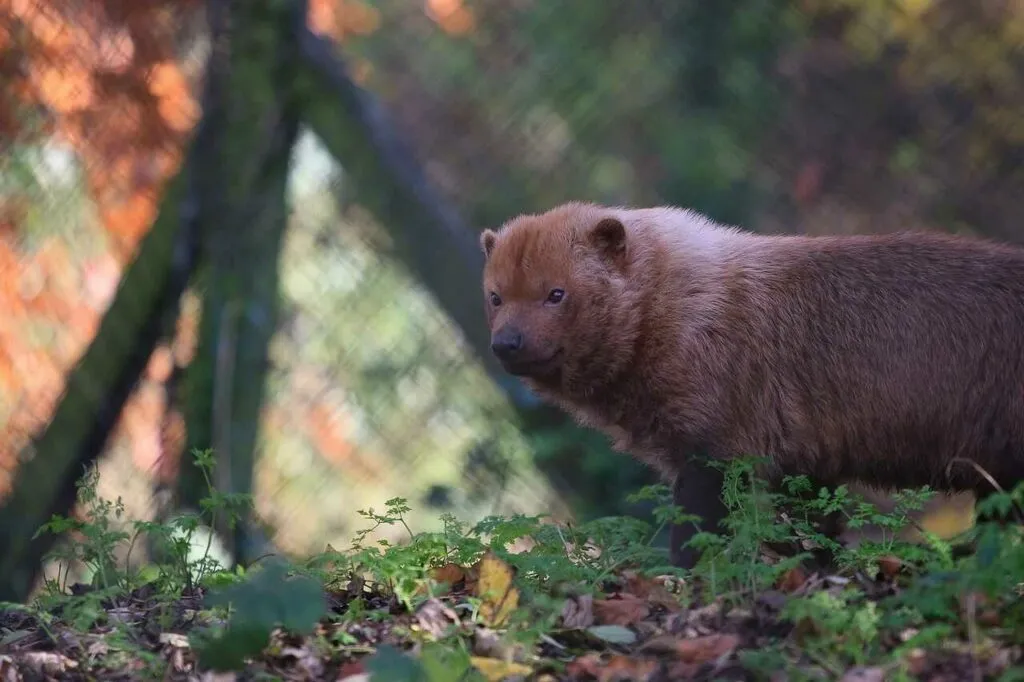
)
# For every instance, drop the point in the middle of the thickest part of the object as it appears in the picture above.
(506, 342)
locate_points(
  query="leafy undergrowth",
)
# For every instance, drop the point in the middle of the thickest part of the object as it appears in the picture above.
(526, 599)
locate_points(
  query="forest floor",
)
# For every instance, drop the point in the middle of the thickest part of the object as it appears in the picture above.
(523, 598)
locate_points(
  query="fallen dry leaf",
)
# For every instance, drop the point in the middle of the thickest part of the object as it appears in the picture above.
(496, 670)
(792, 580)
(176, 660)
(627, 609)
(354, 589)
(434, 617)
(864, 675)
(307, 659)
(450, 574)
(487, 644)
(8, 669)
(498, 595)
(680, 670)
(586, 665)
(662, 644)
(100, 648)
(578, 612)
(650, 589)
(614, 668)
(890, 566)
(707, 648)
(353, 671)
(48, 662)
(174, 639)
(953, 516)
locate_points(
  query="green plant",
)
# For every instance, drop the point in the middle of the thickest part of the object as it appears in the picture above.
(837, 629)
(431, 624)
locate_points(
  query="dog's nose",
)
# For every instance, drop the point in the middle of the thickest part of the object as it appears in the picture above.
(506, 342)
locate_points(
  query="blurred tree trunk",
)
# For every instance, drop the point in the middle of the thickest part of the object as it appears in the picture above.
(143, 309)
(429, 235)
(243, 226)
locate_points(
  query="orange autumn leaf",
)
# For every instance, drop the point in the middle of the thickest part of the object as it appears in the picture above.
(624, 610)
(650, 589)
(129, 220)
(92, 64)
(45, 24)
(65, 89)
(179, 114)
(611, 669)
(167, 80)
(322, 17)
(707, 648)
(450, 574)
(695, 650)
(338, 18)
(108, 76)
(451, 15)
(890, 565)
(791, 580)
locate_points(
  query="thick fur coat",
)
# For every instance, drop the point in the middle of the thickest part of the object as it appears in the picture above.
(881, 359)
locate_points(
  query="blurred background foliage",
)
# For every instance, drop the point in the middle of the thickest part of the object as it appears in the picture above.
(814, 116)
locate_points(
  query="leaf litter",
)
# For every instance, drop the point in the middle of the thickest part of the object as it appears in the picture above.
(451, 607)
(636, 627)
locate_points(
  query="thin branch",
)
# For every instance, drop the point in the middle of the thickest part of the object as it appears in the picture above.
(430, 235)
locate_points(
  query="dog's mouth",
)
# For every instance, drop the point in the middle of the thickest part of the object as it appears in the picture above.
(534, 367)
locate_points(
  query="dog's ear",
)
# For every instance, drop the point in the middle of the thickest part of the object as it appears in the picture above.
(608, 237)
(487, 240)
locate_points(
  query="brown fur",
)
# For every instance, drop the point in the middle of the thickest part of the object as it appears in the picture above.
(875, 359)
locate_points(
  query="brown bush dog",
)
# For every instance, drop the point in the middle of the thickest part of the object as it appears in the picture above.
(882, 359)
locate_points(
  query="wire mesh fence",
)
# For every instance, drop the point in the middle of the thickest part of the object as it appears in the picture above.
(374, 393)
(808, 116)
(97, 102)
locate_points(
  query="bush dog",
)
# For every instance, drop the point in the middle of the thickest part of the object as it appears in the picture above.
(888, 360)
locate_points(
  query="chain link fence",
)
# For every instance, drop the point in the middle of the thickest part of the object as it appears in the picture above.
(96, 103)
(808, 116)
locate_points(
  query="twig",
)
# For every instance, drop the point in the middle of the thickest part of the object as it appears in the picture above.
(988, 477)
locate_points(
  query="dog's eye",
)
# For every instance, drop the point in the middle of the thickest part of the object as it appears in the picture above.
(495, 299)
(556, 296)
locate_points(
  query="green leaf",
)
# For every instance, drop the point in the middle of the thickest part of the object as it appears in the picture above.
(388, 664)
(265, 599)
(229, 650)
(269, 598)
(441, 664)
(616, 634)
